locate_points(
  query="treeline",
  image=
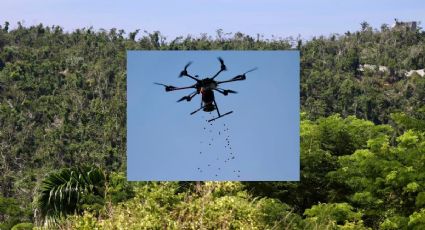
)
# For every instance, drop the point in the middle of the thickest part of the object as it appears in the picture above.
(331, 80)
(62, 104)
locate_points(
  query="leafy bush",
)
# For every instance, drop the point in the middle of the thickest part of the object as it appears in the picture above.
(156, 205)
(23, 226)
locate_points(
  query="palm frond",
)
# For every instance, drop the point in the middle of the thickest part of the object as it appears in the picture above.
(66, 191)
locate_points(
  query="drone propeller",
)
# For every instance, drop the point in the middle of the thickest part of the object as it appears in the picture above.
(253, 69)
(167, 87)
(223, 66)
(156, 83)
(227, 91)
(187, 98)
(184, 72)
(243, 76)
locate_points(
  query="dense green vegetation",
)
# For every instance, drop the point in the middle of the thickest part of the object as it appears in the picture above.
(63, 136)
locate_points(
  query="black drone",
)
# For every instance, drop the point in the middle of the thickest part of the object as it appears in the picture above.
(206, 87)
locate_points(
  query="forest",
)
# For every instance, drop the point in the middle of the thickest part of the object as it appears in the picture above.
(63, 135)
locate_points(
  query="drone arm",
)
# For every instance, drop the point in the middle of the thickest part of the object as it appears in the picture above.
(188, 75)
(188, 97)
(178, 88)
(220, 91)
(225, 92)
(237, 78)
(221, 70)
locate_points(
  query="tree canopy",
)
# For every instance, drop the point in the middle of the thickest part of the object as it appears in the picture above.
(63, 107)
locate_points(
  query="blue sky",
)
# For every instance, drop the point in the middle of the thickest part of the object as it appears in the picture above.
(165, 142)
(174, 18)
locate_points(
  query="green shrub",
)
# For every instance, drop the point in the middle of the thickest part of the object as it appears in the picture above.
(23, 226)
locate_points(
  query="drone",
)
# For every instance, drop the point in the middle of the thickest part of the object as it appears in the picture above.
(206, 88)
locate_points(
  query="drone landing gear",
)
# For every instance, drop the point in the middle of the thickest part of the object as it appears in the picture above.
(196, 110)
(218, 112)
(220, 116)
(216, 107)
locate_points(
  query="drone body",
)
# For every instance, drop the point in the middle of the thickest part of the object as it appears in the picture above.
(206, 88)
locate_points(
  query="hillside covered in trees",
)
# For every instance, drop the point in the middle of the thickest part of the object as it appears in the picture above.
(63, 136)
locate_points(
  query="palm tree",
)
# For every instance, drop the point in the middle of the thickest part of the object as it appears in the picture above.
(69, 190)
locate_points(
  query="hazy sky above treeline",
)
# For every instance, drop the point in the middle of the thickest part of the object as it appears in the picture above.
(179, 18)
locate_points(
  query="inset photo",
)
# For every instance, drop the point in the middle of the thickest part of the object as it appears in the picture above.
(213, 115)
